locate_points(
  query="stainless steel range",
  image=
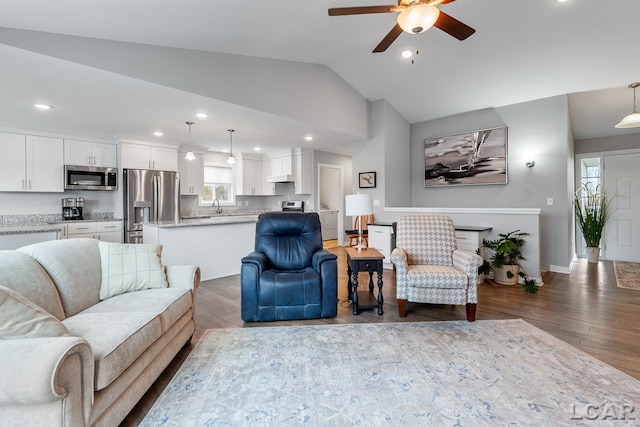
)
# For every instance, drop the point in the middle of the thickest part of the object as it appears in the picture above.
(293, 206)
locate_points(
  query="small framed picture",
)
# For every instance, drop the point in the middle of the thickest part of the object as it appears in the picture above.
(367, 179)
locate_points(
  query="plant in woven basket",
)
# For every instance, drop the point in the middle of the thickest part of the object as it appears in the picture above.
(506, 251)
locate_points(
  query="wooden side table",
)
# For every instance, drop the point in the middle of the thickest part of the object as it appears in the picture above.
(369, 260)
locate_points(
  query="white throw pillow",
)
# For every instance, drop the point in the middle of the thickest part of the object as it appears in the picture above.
(130, 267)
(20, 318)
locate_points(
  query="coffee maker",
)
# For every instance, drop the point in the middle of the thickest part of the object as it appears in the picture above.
(72, 208)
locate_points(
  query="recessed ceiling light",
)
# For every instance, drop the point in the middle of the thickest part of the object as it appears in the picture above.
(561, 1)
(158, 133)
(407, 54)
(257, 148)
(308, 138)
(202, 115)
(225, 150)
(43, 106)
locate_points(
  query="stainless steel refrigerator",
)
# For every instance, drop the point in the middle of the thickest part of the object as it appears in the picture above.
(149, 196)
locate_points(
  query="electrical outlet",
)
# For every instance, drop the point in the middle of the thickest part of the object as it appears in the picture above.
(550, 201)
(376, 202)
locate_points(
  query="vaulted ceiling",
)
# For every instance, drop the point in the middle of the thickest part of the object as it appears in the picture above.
(521, 51)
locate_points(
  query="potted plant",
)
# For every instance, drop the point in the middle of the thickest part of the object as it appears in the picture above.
(592, 209)
(505, 254)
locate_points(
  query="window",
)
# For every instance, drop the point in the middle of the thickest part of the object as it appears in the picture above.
(218, 184)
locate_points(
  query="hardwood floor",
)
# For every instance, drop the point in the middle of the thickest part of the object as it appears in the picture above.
(585, 309)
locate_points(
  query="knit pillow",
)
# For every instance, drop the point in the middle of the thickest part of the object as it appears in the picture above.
(130, 267)
(20, 318)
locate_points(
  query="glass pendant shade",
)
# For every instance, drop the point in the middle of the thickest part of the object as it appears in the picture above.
(189, 155)
(633, 119)
(231, 160)
(418, 18)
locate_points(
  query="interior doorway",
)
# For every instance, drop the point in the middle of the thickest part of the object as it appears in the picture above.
(330, 197)
(617, 172)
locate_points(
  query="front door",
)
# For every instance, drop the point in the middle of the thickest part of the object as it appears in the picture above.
(622, 233)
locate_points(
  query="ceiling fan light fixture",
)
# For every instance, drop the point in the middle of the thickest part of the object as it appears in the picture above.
(418, 18)
(633, 119)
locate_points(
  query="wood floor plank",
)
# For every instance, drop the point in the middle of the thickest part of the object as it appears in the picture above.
(585, 309)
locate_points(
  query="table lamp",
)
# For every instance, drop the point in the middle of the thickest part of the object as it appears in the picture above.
(359, 205)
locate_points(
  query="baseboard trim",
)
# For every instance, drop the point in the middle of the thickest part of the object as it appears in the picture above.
(561, 269)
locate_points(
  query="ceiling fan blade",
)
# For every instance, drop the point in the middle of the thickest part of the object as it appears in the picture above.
(452, 26)
(339, 11)
(388, 39)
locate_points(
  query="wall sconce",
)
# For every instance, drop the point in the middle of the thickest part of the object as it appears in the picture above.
(530, 164)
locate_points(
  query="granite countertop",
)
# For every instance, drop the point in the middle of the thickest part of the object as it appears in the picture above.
(47, 226)
(212, 220)
(28, 229)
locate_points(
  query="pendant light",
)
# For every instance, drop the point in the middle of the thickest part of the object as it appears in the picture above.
(633, 119)
(231, 160)
(190, 155)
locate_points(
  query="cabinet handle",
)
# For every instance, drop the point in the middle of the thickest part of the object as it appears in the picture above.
(461, 238)
(29, 184)
(82, 228)
(109, 226)
(23, 185)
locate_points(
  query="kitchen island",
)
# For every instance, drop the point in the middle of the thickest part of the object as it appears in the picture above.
(215, 244)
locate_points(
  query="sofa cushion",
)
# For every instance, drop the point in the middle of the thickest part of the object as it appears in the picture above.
(169, 303)
(24, 275)
(74, 266)
(116, 341)
(20, 318)
(130, 267)
(436, 276)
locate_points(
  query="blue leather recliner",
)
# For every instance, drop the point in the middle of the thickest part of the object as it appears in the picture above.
(288, 276)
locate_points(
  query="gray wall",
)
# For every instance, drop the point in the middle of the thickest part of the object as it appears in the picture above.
(608, 143)
(537, 130)
(386, 153)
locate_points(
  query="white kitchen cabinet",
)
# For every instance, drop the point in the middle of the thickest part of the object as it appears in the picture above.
(31, 163)
(470, 239)
(84, 153)
(140, 156)
(108, 231)
(252, 177)
(281, 165)
(329, 222)
(303, 171)
(191, 174)
(381, 238)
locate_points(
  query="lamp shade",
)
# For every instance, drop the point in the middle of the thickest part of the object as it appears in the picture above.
(630, 121)
(418, 18)
(358, 204)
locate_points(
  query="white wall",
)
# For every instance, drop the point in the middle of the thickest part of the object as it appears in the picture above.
(283, 88)
(609, 143)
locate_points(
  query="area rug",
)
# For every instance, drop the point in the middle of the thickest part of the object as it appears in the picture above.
(627, 274)
(485, 373)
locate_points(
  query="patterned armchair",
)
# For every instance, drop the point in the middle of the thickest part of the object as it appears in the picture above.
(288, 276)
(429, 268)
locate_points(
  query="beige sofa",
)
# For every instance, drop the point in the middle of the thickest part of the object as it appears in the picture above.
(116, 349)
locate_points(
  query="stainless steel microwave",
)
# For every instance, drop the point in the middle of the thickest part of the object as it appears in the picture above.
(90, 178)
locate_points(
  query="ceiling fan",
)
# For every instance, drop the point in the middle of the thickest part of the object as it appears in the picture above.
(416, 16)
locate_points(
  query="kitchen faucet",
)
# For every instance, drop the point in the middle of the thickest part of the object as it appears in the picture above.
(214, 205)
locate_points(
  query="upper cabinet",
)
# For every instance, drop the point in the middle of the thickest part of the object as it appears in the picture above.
(191, 174)
(303, 159)
(83, 153)
(31, 163)
(140, 156)
(250, 174)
